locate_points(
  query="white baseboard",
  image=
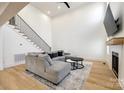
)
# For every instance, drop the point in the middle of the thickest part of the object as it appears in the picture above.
(12, 65)
(95, 59)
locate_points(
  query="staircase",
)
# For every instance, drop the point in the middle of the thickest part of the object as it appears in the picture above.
(29, 34)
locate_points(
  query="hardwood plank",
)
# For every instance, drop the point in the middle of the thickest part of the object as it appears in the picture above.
(101, 78)
(15, 78)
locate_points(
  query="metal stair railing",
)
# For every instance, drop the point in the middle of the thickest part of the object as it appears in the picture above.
(30, 33)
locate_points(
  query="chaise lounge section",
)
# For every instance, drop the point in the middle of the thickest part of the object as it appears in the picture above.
(42, 65)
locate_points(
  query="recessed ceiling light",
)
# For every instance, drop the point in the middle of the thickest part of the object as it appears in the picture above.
(59, 7)
(48, 12)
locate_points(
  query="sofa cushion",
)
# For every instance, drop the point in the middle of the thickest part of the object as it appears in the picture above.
(60, 53)
(53, 54)
(50, 54)
(46, 59)
(59, 68)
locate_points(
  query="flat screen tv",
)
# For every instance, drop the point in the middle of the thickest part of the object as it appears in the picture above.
(109, 22)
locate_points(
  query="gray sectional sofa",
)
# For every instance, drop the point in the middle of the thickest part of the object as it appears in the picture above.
(51, 66)
(54, 70)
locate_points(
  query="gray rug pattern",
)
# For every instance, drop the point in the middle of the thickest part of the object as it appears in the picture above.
(74, 81)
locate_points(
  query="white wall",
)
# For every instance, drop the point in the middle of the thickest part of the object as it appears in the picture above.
(38, 21)
(81, 32)
(12, 47)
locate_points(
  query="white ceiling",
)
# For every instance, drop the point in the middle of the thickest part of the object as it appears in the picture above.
(52, 7)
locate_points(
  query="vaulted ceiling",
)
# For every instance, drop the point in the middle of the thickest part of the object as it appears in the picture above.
(54, 9)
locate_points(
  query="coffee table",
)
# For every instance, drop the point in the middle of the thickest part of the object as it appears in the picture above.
(75, 64)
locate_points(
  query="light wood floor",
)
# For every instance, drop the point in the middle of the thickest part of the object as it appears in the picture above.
(101, 77)
(15, 78)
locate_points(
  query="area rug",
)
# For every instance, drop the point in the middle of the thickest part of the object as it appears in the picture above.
(74, 81)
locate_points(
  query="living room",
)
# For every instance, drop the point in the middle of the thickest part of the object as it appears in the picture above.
(61, 46)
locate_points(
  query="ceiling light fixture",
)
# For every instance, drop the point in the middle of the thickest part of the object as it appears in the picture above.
(48, 12)
(59, 7)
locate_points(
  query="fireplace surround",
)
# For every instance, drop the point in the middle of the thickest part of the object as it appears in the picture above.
(115, 62)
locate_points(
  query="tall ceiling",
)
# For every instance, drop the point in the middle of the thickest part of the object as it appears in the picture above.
(54, 9)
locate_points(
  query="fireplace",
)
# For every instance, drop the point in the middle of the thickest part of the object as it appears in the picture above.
(115, 62)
